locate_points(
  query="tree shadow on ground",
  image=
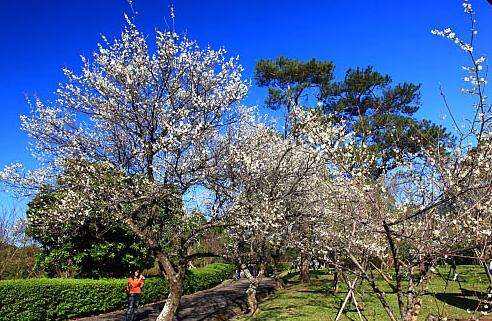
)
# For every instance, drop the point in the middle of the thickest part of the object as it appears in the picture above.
(474, 293)
(458, 300)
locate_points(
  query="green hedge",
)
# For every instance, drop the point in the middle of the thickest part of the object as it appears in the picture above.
(62, 299)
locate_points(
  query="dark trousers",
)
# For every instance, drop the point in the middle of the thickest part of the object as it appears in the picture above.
(132, 307)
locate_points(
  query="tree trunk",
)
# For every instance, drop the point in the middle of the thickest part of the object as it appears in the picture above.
(168, 313)
(175, 277)
(252, 301)
(488, 273)
(380, 294)
(278, 279)
(336, 281)
(398, 274)
(413, 312)
(304, 268)
(251, 291)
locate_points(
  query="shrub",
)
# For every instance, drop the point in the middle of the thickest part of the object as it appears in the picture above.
(61, 299)
(79, 250)
(283, 266)
(17, 261)
(203, 278)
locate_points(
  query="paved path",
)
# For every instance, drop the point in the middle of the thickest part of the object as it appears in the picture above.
(217, 304)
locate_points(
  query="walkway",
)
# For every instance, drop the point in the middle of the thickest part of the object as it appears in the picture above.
(217, 304)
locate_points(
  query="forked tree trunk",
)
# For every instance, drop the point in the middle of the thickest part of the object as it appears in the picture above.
(251, 291)
(252, 300)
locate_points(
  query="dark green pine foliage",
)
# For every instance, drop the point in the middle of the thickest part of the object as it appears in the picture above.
(289, 81)
(380, 113)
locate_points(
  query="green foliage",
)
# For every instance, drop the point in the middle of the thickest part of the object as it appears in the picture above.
(203, 278)
(61, 299)
(287, 79)
(283, 266)
(96, 245)
(87, 253)
(378, 112)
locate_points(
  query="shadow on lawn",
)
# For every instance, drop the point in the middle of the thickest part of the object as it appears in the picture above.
(468, 299)
(458, 300)
(478, 294)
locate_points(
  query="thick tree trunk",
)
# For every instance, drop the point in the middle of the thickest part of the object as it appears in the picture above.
(168, 313)
(252, 301)
(304, 268)
(175, 277)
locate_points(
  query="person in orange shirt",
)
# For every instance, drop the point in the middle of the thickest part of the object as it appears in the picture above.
(134, 288)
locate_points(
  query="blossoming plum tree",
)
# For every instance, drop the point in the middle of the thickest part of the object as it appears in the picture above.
(133, 130)
(424, 211)
(265, 181)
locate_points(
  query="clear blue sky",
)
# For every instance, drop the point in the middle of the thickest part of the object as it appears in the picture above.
(38, 38)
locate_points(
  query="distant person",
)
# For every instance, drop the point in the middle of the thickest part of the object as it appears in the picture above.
(490, 267)
(134, 288)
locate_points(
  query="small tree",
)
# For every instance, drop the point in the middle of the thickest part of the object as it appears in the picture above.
(269, 184)
(17, 250)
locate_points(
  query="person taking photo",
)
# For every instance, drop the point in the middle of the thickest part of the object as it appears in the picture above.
(134, 288)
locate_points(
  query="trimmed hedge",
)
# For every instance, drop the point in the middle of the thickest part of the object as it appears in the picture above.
(62, 299)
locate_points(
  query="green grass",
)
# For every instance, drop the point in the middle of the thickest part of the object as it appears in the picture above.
(314, 302)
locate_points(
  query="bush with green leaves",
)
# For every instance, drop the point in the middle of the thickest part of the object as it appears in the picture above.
(62, 299)
(91, 249)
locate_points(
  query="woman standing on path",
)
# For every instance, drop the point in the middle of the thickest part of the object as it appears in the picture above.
(134, 288)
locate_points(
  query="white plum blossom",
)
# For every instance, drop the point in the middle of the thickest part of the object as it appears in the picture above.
(142, 123)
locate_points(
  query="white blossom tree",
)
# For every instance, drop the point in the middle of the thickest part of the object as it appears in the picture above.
(426, 210)
(268, 183)
(131, 134)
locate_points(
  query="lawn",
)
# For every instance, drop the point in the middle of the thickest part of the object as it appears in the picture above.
(314, 302)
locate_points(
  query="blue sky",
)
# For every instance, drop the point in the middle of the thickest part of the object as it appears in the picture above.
(38, 38)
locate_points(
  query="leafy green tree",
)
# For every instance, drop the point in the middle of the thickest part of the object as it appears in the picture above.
(381, 114)
(288, 81)
(94, 248)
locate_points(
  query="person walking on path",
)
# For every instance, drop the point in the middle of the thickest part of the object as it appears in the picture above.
(134, 288)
